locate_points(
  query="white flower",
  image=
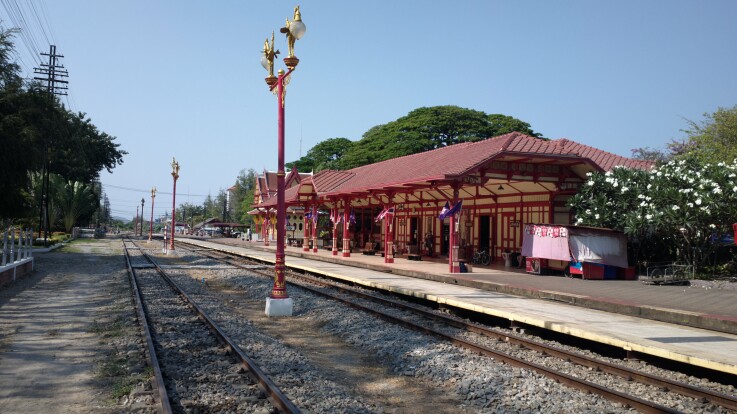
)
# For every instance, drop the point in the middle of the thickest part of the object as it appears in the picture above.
(596, 216)
(698, 201)
(712, 226)
(690, 205)
(648, 186)
(588, 174)
(675, 208)
(624, 189)
(588, 212)
(579, 221)
(641, 196)
(732, 175)
(615, 184)
(648, 216)
(716, 190)
(643, 204)
(590, 182)
(734, 189)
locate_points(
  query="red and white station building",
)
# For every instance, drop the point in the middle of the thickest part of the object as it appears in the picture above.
(504, 182)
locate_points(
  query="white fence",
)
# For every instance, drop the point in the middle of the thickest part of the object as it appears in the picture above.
(17, 251)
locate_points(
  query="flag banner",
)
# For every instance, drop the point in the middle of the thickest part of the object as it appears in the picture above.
(444, 211)
(385, 213)
(335, 216)
(308, 215)
(352, 217)
(380, 216)
(389, 213)
(453, 210)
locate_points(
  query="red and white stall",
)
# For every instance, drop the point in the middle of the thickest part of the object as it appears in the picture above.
(593, 253)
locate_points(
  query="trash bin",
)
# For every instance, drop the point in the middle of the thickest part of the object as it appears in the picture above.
(507, 259)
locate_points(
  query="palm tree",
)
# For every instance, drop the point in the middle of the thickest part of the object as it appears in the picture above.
(74, 199)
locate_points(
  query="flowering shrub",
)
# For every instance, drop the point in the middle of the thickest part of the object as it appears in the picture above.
(674, 212)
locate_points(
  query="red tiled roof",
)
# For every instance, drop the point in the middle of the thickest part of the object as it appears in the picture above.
(452, 161)
(458, 159)
(291, 196)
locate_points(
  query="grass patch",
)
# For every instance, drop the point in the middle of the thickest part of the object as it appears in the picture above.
(124, 386)
(113, 368)
(112, 329)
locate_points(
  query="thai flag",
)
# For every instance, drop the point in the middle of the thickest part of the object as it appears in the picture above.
(380, 216)
(451, 211)
(444, 211)
(387, 212)
(308, 215)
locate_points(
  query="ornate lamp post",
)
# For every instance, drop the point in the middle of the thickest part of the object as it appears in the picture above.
(135, 228)
(142, 221)
(279, 303)
(175, 175)
(151, 223)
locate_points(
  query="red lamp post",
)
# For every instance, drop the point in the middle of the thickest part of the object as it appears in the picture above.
(175, 175)
(142, 221)
(135, 228)
(151, 223)
(279, 303)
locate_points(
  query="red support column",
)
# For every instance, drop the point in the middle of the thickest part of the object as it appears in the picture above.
(389, 250)
(455, 267)
(265, 228)
(151, 223)
(346, 223)
(306, 234)
(315, 219)
(173, 213)
(335, 233)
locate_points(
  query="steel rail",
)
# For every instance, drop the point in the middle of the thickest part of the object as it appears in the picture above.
(717, 398)
(714, 397)
(153, 361)
(277, 397)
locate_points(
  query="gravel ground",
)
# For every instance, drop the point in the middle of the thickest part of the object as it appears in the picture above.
(479, 384)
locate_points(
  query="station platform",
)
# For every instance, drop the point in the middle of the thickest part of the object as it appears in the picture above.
(626, 314)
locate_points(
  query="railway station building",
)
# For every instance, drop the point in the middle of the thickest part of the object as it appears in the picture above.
(493, 188)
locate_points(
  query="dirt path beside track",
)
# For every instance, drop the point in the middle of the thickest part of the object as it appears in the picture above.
(55, 331)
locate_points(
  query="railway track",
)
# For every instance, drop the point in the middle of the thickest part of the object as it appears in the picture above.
(569, 367)
(189, 353)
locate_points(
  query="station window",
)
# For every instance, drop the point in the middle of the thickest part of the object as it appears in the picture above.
(300, 226)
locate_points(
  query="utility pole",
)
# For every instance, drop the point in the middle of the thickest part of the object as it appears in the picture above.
(52, 72)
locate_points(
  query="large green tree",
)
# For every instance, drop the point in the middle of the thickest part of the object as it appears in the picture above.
(242, 196)
(36, 130)
(326, 155)
(713, 139)
(425, 129)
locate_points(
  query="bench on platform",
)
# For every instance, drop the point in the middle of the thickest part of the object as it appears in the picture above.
(414, 257)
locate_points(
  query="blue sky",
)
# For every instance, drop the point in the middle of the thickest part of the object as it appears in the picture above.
(182, 78)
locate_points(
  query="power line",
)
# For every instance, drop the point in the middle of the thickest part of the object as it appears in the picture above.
(157, 191)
